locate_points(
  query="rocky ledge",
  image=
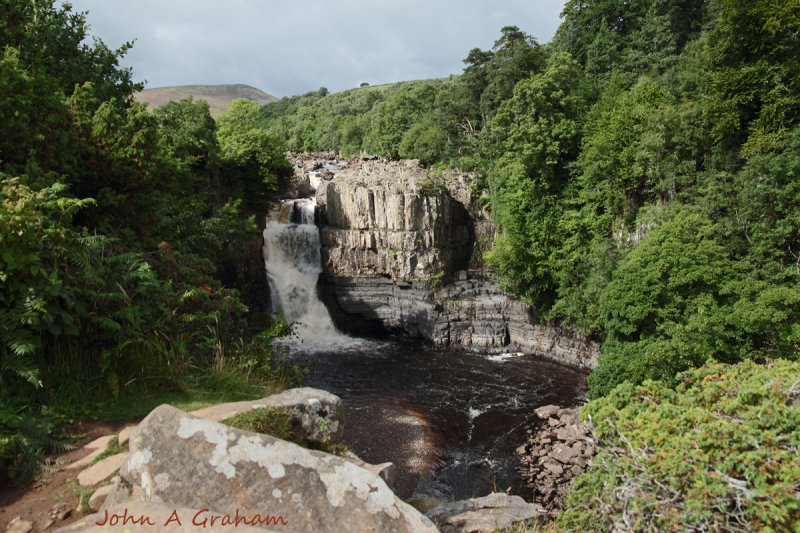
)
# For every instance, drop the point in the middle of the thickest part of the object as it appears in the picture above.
(402, 250)
(562, 449)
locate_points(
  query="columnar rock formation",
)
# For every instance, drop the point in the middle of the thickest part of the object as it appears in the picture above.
(402, 248)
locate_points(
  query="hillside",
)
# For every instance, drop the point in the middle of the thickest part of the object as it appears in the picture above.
(217, 96)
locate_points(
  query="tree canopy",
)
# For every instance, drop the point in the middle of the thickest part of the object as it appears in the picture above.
(113, 277)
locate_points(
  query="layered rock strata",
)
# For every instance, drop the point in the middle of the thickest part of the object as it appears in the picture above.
(402, 248)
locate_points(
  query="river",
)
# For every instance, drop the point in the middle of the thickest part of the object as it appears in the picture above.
(450, 421)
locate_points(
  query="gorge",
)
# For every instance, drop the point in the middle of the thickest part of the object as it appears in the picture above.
(401, 250)
(449, 395)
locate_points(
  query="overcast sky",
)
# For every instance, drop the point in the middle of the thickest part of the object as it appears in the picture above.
(291, 47)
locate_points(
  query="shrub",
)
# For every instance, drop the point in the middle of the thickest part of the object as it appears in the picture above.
(719, 453)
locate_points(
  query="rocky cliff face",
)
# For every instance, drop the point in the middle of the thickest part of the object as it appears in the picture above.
(401, 248)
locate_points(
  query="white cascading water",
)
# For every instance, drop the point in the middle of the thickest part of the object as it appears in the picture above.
(293, 263)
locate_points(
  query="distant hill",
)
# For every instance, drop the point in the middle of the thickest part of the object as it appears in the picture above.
(217, 96)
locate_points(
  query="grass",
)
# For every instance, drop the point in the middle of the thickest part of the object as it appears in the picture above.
(275, 421)
(113, 448)
(217, 96)
(82, 493)
(279, 422)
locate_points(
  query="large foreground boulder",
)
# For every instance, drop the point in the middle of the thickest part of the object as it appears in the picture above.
(181, 460)
(151, 516)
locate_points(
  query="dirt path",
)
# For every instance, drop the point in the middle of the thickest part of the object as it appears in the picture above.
(49, 502)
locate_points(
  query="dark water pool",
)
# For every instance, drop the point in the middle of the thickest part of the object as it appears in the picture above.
(451, 421)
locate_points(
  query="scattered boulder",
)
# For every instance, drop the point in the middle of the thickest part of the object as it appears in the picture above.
(483, 515)
(99, 496)
(18, 525)
(59, 512)
(121, 492)
(546, 411)
(182, 460)
(553, 456)
(318, 413)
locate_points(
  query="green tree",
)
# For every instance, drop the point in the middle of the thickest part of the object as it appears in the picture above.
(189, 133)
(629, 38)
(253, 161)
(515, 57)
(756, 69)
(424, 141)
(621, 150)
(535, 135)
(392, 118)
(35, 126)
(53, 41)
(766, 211)
(678, 299)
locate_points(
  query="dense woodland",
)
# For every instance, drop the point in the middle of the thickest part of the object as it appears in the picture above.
(122, 235)
(643, 169)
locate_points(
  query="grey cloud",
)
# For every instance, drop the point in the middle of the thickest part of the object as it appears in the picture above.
(289, 48)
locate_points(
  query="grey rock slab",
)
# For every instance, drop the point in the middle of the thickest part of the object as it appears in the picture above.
(18, 525)
(386, 471)
(553, 467)
(101, 470)
(152, 516)
(96, 447)
(569, 434)
(182, 460)
(99, 496)
(483, 515)
(319, 413)
(563, 453)
(546, 411)
(385, 232)
(122, 492)
(125, 434)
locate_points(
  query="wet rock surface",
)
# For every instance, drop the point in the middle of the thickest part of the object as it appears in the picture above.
(553, 456)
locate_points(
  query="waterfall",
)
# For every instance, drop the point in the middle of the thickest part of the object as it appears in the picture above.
(292, 258)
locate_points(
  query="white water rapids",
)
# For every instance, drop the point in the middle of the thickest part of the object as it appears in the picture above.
(292, 258)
